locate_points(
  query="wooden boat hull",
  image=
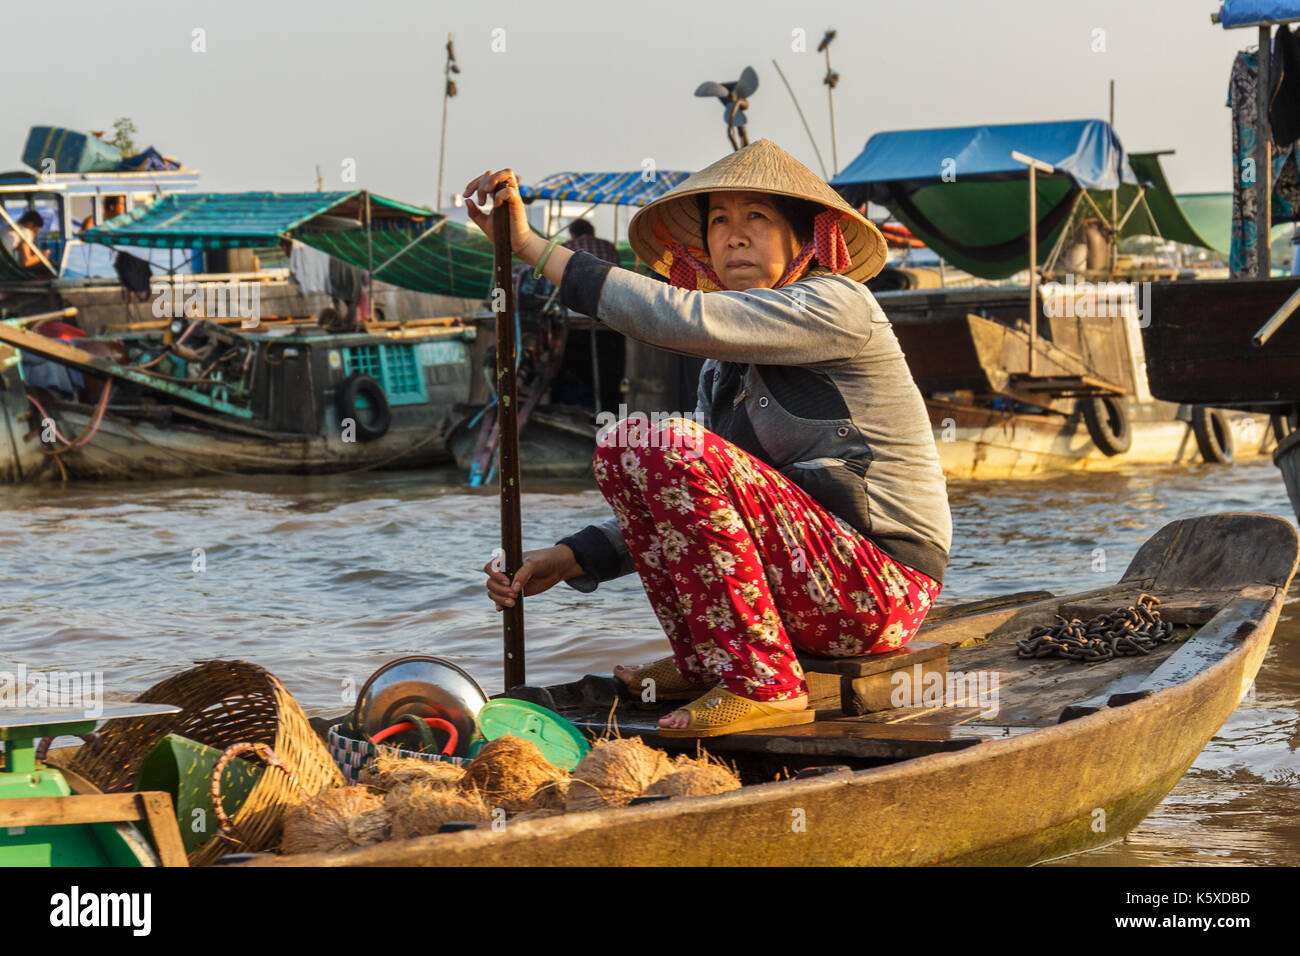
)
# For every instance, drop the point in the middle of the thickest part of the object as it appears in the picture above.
(132, 450)
(983, 443)
(1198, 342)
(1017, 795)
(974, 443)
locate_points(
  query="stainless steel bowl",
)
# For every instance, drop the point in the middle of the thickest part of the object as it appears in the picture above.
(426, 687)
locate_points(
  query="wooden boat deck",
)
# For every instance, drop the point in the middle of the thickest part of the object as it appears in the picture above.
(1031, 693)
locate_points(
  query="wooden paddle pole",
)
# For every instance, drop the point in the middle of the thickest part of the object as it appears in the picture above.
(503, 303)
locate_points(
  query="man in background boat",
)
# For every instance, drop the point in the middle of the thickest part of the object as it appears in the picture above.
(585, 240)
(804, 507)
(22, 244)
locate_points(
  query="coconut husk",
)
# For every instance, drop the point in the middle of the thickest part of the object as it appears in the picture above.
(694, 778)
(420, 809)
(507, 772)
(338, 819)
(551, 795)
(613, 773)
(391, 772)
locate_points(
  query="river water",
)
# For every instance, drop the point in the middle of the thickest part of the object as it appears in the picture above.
(322, 580)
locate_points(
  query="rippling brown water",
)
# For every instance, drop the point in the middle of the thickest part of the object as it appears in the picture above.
(321, 580)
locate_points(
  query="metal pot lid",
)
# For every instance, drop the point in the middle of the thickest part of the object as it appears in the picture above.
(425, 687)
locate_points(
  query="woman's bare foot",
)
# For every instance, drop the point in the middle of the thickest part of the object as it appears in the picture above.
(680, 718)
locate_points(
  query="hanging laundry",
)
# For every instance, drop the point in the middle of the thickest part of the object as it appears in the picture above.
(309, 268)
(344, 282)
(134, 274)
(1243, 257)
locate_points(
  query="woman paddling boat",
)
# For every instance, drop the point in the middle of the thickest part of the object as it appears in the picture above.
(804, 506)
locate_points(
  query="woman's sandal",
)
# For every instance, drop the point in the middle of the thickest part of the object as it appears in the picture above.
(669, 684)
(721, 712)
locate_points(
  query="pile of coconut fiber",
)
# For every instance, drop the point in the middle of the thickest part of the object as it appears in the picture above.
(401, 797)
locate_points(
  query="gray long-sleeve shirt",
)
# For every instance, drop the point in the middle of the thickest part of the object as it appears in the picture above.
(809, 379)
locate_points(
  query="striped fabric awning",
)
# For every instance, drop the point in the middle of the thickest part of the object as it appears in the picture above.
(617, 189)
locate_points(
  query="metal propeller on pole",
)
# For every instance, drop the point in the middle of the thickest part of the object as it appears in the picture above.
(503, 303)
(735, 100)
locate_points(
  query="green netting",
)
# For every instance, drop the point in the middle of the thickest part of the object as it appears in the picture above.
(454, 260)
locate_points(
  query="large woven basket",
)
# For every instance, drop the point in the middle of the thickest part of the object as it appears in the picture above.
(222, 703)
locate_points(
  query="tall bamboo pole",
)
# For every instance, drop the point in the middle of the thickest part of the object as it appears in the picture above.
(503, 300)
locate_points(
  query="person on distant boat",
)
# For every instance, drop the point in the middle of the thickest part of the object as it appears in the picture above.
(585, 240)
(23, 246)
(804, 507)
(114, 206)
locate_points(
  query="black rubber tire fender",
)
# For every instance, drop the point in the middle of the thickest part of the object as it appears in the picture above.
(1108, 424)
(1214, 436)
(345, 400)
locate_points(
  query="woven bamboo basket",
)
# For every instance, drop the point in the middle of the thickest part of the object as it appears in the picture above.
(222, 703)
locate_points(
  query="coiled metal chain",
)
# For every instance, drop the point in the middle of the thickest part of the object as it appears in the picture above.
(1125, 632)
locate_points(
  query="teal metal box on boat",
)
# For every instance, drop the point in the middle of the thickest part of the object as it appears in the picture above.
(72, 152)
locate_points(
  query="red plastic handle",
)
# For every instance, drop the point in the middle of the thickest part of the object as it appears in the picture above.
(452, 736)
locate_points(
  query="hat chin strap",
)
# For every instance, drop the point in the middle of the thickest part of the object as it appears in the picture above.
(828, 245)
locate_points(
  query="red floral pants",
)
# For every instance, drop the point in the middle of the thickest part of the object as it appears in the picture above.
(742, 566)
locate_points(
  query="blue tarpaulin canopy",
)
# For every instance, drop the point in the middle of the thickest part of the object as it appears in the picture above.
(960, 191)
(619, 189)
(1088, 151)
(1251, 13)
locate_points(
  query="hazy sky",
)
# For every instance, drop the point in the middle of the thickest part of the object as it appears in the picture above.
(583, 85)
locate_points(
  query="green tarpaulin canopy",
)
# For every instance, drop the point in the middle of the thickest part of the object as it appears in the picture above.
(406, 246)
(981, 226)
(244, 220)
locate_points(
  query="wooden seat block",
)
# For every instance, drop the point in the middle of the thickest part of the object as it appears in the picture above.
(868, 683)
(916, 652)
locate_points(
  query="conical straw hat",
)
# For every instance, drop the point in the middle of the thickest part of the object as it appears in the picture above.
(761, 166)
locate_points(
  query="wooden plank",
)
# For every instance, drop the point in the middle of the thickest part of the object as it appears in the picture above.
(58, 351)
(61, 811)
(847, 738)
(160, 815)
(1066, 385)
(153, 808)
(915, 652)
(987, 604)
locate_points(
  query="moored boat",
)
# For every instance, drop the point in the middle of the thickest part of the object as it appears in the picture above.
(1061, 758)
